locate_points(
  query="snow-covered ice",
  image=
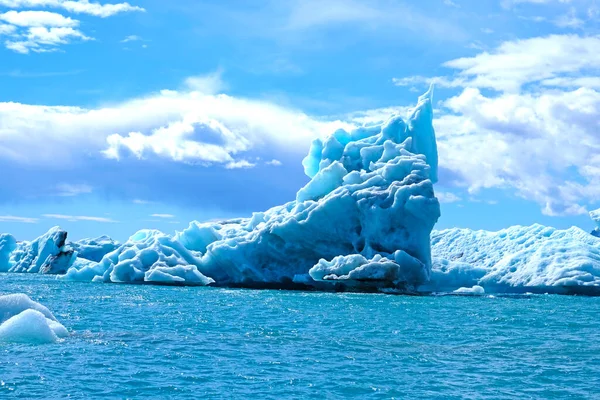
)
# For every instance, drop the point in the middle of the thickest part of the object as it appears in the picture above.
(516, 258)
(26, 321)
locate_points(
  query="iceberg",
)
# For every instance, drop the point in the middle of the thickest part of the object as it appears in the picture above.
(369, 208)
(47, 254)
(23, 320)
(517, 259)
(94, 249)
(8, 244)
(148, 256)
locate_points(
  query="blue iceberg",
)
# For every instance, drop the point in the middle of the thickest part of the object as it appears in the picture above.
(8, 244)
(47, 254)
(517, 259)
(364, 222)
(369, 208)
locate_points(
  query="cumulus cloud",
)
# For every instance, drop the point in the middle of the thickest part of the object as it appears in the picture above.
(75, 6)
(37, 19)
(542, 146)
(44, 31)
(536, 134)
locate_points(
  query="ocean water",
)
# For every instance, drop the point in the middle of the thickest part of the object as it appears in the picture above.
(150, 342)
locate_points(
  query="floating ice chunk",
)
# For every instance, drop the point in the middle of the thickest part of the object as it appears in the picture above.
(94, 249)
(47, 254)
(135, 261)
(25, 321)
(8, 244)
(30, 326)
(545, 258)
(400, 270)
(13, 304)
(475, 290)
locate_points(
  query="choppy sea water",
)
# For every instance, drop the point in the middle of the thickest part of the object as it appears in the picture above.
(141, 342)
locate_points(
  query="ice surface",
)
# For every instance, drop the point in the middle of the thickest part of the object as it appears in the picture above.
(561, 261)
(7, 245)
(148, 256)
(46, 254)
(475, 290)
(25, 321)
(94, 249)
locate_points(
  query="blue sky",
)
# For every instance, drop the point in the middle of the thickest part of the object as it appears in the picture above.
(116, 117)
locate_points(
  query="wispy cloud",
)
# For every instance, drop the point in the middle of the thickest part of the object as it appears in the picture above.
(68, 190)
(166, 216)
(447, 197)
(12, 218)
(76, 218)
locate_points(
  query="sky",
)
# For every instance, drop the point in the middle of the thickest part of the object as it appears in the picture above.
(150, 114)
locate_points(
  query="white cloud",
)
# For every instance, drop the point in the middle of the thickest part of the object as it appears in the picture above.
(70, 190)
(447, 197)
(131, 38)
(12, 218)
(517, 63)
(274, 162)
(538, 136)
(140, 201)
(78, 7)
(43, 31)
(166, 216)
(239, 164)
(7, 29)
(186, 126)
(208, 84)
(542, 146)
(43, 40)
(77, 218)
(37, 19)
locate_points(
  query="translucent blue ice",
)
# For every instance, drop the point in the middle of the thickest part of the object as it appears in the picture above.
(46, 254)
(8, 244)
(148, 256)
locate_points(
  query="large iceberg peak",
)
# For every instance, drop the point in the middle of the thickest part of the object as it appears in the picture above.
(363, 221)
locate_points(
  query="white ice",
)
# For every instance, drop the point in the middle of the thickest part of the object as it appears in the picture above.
(26, 321)
(516, 258)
